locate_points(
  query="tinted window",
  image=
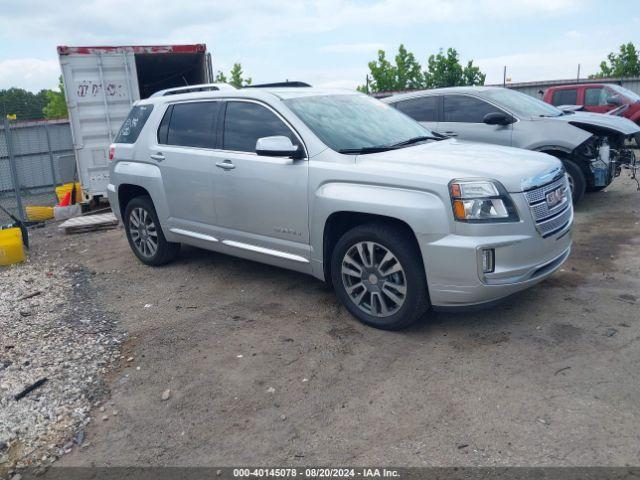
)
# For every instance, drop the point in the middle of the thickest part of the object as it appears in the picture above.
(132, 126)
(422, 109)
(191, 124)
(565, 97)
(462, 108)
(246, 122)
(595, 96)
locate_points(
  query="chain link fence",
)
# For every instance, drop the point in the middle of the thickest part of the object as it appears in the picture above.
(35, 157)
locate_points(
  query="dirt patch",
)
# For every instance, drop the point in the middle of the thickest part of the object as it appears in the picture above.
(265, 367)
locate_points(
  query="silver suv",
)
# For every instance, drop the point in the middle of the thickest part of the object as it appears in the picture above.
(591, 146)
(340, 186)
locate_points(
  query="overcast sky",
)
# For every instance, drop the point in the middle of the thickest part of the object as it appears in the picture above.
(323, 42)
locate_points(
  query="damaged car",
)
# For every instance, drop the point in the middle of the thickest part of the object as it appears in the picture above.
(591, 146)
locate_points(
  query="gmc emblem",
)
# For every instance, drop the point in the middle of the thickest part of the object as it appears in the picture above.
(556, 197)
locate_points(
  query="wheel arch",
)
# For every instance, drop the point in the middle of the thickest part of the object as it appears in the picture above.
(338, 223)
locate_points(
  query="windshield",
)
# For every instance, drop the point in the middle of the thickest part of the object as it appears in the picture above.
(355, 122)
(520, 104)
(633, 96)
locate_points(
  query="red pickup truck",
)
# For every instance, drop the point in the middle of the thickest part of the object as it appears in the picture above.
(598, 98)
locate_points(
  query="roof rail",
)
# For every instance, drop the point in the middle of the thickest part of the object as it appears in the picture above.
(278, 84)
(203, 87)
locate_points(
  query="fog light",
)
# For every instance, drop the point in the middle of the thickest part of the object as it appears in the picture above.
(488, 260)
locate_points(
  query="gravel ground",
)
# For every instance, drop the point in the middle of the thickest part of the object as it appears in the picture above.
(232, 362)
(51, 327)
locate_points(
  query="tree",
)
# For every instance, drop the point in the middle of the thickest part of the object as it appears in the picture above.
(385, 76)
(57, 104)
(406, 74)
(623, 64)
(446, 71)
(408, 71)
(22, 103)
(236, 78)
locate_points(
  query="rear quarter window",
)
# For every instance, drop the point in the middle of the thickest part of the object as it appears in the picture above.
(132, 126)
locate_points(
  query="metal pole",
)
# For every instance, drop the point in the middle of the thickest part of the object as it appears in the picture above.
(504, 77)
(14, 168)
(578, 78)
(51, 160)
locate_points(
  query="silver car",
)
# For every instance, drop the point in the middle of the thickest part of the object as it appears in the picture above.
(340, 186)
(591, 146)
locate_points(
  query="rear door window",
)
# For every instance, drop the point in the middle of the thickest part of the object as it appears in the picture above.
(423, 109)
(565, 97)
(190, 124)
(466, 109)
(246, 122)
(132, 126)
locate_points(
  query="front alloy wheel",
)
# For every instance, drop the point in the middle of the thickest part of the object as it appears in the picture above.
(374, 279)
(378, 274)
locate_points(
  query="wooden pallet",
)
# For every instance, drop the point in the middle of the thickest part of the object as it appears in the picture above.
(89, 223)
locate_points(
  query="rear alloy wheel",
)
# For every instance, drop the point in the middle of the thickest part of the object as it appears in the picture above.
(378, 274)
(145, 234)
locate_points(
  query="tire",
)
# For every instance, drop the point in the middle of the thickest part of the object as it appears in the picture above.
(596, 189)
(380, 285)
(140, 211)
(637, 137)
(577, 180)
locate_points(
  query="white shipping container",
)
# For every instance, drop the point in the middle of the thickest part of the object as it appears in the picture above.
(102, 83)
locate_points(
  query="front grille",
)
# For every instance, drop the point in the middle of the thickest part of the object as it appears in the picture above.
(550, 220)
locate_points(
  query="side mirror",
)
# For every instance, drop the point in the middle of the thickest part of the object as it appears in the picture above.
(498, 118)
(278, 146)
(614, 100)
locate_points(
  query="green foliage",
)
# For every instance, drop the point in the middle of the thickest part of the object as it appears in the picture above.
(236, 78)
(443, 70)
(623, 64)
(446, 71)
(22, 103)
(57, 105)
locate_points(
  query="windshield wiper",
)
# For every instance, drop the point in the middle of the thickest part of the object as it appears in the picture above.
(416, 140)
(363, 150)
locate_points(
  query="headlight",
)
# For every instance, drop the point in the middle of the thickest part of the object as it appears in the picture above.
(478, 201)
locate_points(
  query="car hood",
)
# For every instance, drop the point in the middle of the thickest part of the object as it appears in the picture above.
(619, 124)
(515, 168)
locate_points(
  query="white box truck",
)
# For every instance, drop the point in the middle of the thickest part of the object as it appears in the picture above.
(102, 83)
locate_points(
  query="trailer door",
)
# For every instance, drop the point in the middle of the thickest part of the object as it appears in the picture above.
(100, 87)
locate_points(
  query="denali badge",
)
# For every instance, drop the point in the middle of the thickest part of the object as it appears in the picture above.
(556, 197)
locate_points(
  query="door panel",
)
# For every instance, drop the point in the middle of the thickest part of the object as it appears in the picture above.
(260, 200)
(185, 156)
(462, 118)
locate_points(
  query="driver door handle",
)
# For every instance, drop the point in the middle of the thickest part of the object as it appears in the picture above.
(157, 156)
(226, 165)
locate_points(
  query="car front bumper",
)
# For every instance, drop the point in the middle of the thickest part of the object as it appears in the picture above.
(523, 257)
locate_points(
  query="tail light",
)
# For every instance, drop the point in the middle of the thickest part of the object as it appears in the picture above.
(112, 152)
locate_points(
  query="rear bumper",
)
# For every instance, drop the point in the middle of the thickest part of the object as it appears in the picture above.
(112, 195)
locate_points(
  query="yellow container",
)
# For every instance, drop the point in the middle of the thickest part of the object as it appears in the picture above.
(62, 190)
(11, 248)
(39, 214)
